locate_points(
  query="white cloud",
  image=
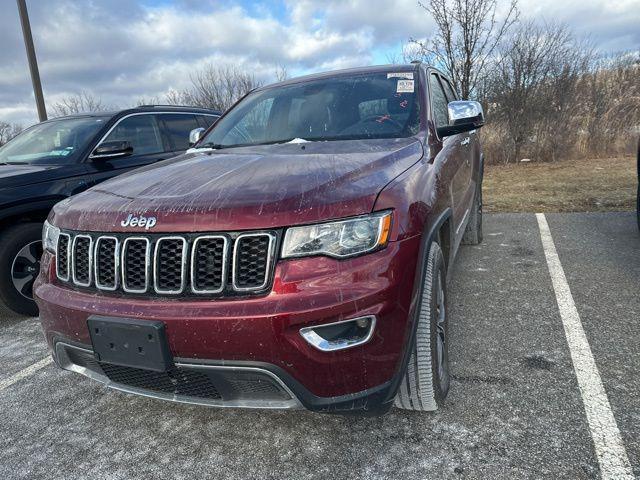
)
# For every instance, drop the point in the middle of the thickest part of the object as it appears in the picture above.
(122, 51)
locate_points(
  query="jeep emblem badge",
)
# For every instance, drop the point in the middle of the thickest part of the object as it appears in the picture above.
(141, 221)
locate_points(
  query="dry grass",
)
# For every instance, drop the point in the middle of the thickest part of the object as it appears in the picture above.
(593, 185)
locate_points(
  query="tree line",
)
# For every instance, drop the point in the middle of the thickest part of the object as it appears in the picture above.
(547, 94)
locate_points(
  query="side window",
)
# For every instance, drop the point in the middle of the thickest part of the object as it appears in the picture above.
(451, 96)
(141, 131)
(178, 126)
(438, 102)
(205, 121)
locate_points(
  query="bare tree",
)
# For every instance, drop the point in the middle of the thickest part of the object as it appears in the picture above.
(142, 101)
(8, 131)
(281, 73)
(532, 91)
(468, 33)
(81, 102)
(611, 95)
(215, 87)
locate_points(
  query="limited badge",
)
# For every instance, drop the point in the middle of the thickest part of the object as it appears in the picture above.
(405, 86)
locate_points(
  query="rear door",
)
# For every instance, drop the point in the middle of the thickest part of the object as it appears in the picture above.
(144, 133)
(451, 156)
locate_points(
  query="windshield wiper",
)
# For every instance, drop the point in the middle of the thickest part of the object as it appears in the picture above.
(13, 163)
(214, 146)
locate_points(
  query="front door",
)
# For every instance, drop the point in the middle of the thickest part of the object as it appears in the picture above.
(144, 133)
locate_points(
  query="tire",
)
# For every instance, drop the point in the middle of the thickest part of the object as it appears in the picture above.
(426, 380)
(473, 232)
(20, 252)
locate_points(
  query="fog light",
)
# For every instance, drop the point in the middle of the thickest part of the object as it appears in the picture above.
(340, 335)
(363, 322)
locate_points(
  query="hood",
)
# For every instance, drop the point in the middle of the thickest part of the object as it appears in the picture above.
(16, 175)
(246, 188)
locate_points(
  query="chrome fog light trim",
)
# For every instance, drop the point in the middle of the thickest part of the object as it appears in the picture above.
(313, 334)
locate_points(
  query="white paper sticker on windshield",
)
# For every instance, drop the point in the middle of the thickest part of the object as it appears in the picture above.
(407, 75)
(405, 86)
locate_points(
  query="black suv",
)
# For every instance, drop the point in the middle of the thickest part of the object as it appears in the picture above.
(61, 157)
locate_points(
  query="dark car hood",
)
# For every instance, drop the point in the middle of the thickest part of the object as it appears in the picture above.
(16, 175)
(246, 188)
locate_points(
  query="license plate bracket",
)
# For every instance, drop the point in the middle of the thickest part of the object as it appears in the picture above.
(130, 342)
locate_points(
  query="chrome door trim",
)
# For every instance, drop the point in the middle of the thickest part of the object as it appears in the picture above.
(161, 112)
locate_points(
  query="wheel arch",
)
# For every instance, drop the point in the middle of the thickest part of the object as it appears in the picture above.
(36, 212)
(440, 228)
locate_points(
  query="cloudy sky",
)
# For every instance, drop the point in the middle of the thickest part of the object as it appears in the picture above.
(124, 50)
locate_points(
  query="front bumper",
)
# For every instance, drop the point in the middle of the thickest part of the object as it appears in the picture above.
(262, 335)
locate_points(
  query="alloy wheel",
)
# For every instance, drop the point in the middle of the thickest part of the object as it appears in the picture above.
(25, 268)
(441, 331)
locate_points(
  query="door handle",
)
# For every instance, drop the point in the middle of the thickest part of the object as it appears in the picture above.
(465, 141)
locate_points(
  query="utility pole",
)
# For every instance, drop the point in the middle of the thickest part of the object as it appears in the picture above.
(31, 56)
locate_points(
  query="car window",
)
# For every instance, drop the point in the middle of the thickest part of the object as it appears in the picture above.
(178, 126)
(438, 102)
(205, 121)
(141, 131)
(342, 107)
(252, 128)
(451, 96)
(54, 142)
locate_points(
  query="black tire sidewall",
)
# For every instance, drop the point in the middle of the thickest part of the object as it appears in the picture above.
(440, 390)
(12, 240)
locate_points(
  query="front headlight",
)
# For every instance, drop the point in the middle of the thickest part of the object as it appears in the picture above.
(50, 236)
(344, 238)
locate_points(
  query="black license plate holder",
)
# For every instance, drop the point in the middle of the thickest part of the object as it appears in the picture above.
(130, 342)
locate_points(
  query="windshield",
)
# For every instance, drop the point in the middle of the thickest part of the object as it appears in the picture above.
(56, 142)
(373, 105)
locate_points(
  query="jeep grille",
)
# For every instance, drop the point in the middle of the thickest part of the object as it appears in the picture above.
(213, 264)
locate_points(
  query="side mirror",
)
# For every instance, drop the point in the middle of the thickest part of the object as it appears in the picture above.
(464, 115)
(195, 135)
(112, 150)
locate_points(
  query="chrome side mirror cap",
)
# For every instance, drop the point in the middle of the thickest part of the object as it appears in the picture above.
(464, 115)
(195, 135)
(117, 148)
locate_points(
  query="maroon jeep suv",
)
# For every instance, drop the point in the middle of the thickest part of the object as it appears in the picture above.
(297, 256)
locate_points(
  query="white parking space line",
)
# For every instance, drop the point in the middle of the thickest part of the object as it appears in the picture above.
(612, 456)
(24, 373)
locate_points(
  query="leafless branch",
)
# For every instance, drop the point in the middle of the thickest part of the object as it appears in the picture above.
(8, 131)
(215, 87)
(82, 102)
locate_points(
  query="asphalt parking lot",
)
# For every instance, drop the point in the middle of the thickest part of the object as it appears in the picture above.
(515, 409)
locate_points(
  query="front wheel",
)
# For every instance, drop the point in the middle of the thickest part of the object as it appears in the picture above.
(426, 380)
(20, 252)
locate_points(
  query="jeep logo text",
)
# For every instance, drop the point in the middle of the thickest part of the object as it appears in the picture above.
(141, 221)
